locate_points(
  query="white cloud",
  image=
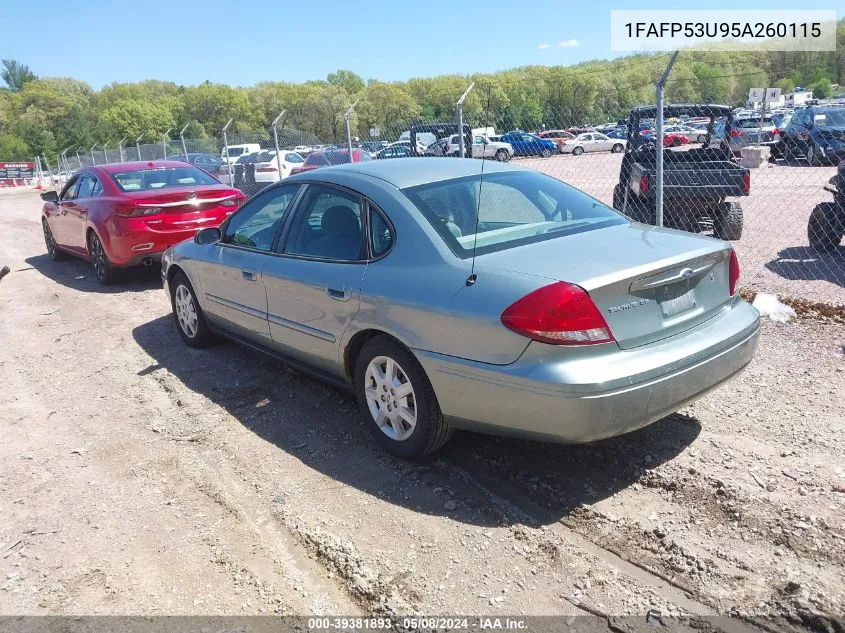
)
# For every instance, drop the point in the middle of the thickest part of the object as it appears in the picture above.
(544, 45)
(573, 43)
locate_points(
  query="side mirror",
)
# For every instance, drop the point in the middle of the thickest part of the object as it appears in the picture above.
(50, 196)
(210, 235)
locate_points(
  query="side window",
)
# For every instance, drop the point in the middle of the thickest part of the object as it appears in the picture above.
(254, 226)
(71, 189)
(381, 239)
(327, 225)
(98, 187)
(86, 186)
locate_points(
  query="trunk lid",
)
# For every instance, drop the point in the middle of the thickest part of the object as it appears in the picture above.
(649, 283)
(187, 207)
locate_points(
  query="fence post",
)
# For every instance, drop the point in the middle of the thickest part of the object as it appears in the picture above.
(138, 145)
(276, 142)
(105, 151)
(346, 120)
(164, 143)
(120, 150)
(226, 149)
(182, 138)
(49, 171)
(459, 108)
(661, 84)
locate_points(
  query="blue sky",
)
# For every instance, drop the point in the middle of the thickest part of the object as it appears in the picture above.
(242, 42)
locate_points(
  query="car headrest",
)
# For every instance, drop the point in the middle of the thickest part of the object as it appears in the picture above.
(340, 221)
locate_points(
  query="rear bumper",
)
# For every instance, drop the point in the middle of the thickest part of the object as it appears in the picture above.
(581, 395)
(126, 251)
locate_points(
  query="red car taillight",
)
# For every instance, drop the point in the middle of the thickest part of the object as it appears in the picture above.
(643, 184)
(267, 169)
(560, 313)
(746, 182)
(776, 131)
(134, 211)
(232, 203)
(733, 274)
(736, 133)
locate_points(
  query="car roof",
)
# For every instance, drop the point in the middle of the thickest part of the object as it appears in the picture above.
(678, 109)
(115, 168)
(410, 172)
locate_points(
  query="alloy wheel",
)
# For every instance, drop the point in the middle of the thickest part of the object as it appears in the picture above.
(186, 311)
(390, 398)
(49, 240)
(98, 256)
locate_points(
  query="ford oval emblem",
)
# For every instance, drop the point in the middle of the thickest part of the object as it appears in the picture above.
(686, 273)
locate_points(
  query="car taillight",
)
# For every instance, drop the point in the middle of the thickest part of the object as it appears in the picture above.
(643, 183)
(776, 131)
(232, 202)
(736, 133)
(267, 169)
(733, 274)
(133, 211)
(746, 182)
(560, 313)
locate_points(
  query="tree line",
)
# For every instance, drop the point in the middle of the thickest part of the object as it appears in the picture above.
(47, 115)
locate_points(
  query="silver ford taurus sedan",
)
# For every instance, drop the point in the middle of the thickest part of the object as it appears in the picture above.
(501, 301)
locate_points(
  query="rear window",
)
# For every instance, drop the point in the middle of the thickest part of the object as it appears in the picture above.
(316, 160)
(236, 151)
(265, 157)
(161, 178)
(293, 158)
(514, 208)
(752, 123)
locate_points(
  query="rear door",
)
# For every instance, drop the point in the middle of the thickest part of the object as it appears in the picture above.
(234, 296)
(314, 288)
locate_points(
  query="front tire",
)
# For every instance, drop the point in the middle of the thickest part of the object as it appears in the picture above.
(825, 229)
(727, 225)
(502, 155)
(616, 149)
(577, 151)
(104, 270)
(397, 400)
(53, 251)
(545, 152)
(813, 156)
(190, 319)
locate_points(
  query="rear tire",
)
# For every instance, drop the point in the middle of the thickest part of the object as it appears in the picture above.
(502, 155)
(577, 151)
(382, 366)
(545, 152)
(190, 319)
(105, 271)
(727, 225)
(616, 149)
(812, 156)
(54, 252)
(825, 228)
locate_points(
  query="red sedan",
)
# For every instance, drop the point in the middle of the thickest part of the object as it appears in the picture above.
(325, 158)
(127, 214)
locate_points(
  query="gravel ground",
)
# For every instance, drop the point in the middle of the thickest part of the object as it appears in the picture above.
(139, 476)
(774, 252)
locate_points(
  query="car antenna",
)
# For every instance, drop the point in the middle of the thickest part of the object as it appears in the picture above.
(462, 140)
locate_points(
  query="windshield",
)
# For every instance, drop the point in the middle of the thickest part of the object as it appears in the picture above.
(236, 151)
(829, 117)
(147, 179)
(515, 208)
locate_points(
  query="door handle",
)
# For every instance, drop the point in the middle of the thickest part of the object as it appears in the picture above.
(248, 275)
(339, 295)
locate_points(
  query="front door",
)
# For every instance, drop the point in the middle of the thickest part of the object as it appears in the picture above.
(59, 223)
(231, 276)
(76, 218)
(313, 288)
